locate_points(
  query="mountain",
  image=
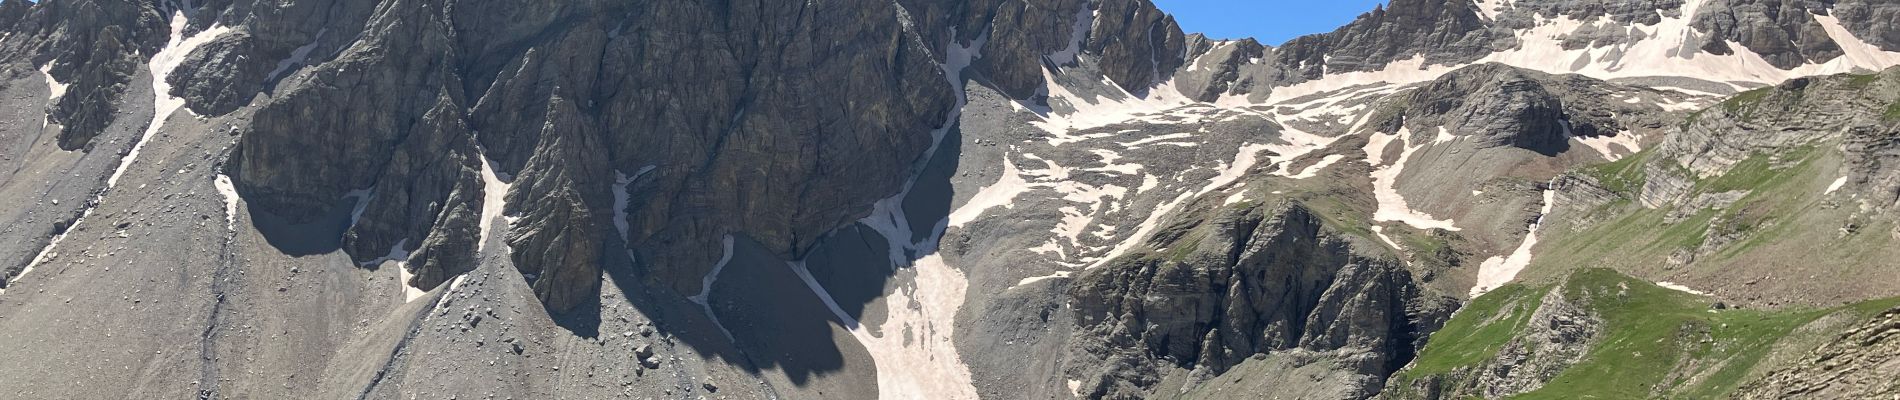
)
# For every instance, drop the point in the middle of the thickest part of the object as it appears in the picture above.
(908, 199)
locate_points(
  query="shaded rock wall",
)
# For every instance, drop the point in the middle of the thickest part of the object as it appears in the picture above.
(1253, 280)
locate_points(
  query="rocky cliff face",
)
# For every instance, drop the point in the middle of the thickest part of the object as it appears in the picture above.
(860, 199)
(1857, 363)
(1247, 282)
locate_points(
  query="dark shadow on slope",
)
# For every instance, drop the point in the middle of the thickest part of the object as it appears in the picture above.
(854, 264)
(321, 235)
(777, 321)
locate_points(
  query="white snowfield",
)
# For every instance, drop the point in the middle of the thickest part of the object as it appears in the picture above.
(1669, 49)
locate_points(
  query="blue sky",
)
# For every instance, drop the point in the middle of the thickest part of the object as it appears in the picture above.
(1271, 21)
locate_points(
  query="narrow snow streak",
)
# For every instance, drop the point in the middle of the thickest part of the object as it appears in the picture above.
(1379, 231)
(704, 298)
(1680, 288)
(1497, 271)
(161, 66)
(297, 56)
(1034, 279)
(623, 198)
(494, 199)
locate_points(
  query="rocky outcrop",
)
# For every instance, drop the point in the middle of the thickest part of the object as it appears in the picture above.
(1140, 46)
(1215, 68)
(541, 92)
(1768, 121)
(1492, 104)
(1441, 32)
(1783, 32)
(93, 47)
(1558, 334)
(1249, 280)
(1860, 363)
(1496, 105)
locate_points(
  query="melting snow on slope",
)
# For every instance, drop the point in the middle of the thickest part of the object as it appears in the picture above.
(55, 89)
(1392, 205)
(1497, 271)
(1680, 288)
(1295, 143)
(297, 56)
(925, 363)
(229, 191)
(1662, 53)
(494, 199)
(401, 257)
(1612, 147)
(1836, 186)
(161, 66)
(1000, 194)
(1092, 112)
(1668, 48)
(705, 285)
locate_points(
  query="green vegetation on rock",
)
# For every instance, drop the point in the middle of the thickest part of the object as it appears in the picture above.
(1653, 342)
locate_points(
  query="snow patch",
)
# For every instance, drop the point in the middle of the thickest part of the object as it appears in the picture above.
(1444, 136)
(1156, 138)
(1111, 108)
(925, 364)
(1000, 194)
(1294, 144)
(297, 56)
(1680, 288)
(1314, 170)
(494, 199)
(1380, 232)
(56, 90)
(1836, 186)
(162, 65)
(1034, 279)
(705, 286)
(1612, 147)
(1392, 205)
(931, 365)
(1497, 271)
(229, 191)
(1858, 53)
(400, 257)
